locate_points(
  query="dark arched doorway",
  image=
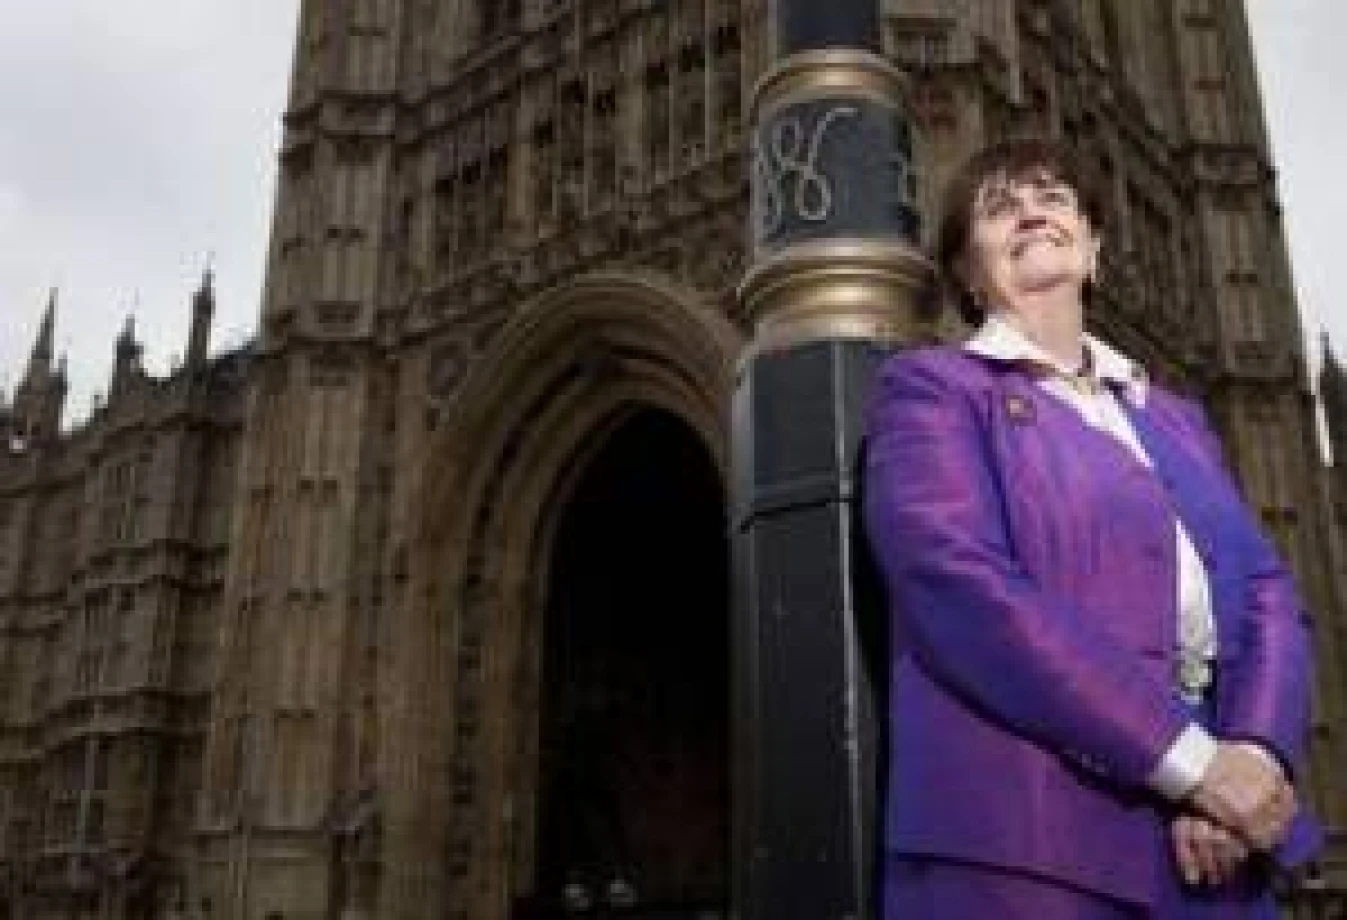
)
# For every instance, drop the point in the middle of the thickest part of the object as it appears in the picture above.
(633, 805)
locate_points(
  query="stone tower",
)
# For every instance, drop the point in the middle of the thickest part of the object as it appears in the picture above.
(503, 232)
(291, 755)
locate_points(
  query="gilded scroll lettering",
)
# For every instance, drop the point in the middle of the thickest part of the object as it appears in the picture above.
(791, 184)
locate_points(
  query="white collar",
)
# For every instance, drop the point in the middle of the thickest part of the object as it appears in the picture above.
(999, 339)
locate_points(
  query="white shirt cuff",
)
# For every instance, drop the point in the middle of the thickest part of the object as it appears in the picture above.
(1182, 766)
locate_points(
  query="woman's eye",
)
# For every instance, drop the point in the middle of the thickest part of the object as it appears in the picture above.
(995, 207)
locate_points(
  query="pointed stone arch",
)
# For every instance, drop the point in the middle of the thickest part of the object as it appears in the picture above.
(565, 370)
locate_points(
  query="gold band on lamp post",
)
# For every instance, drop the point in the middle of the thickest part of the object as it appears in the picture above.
(843, 289)
(848, 72)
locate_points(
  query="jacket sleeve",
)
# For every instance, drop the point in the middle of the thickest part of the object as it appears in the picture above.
(965, 607)
(1270, 702)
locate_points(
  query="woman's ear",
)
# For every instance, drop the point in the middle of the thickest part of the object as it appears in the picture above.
(1092, 259)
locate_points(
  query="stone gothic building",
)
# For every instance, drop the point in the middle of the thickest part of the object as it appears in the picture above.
(417, 607)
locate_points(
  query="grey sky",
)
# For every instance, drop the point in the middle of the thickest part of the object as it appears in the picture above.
(1303, 73)
(138, 137)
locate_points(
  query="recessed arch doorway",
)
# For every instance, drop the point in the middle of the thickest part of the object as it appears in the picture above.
(633, 746)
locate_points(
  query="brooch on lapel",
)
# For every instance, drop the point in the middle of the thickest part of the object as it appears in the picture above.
(1019, 409)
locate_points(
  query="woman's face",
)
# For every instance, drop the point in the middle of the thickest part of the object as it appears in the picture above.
(1027, 238)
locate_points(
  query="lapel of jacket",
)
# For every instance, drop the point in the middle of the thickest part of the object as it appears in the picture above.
(1176, 472)
(1187, 484)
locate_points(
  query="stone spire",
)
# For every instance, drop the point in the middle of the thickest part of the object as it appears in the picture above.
(126, 340)
(6, 422)
(203, 311)
(39, 362)
(40, 395)
(126, 363)
(1333, 393)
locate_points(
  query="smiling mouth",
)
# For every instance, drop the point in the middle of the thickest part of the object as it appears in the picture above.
(1019, 247)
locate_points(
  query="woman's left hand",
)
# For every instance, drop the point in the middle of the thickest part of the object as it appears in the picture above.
(1206, 852)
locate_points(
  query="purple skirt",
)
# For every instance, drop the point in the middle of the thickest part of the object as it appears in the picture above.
(925, 888)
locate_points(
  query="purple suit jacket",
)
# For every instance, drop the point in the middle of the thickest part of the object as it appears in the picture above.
(1030, 566)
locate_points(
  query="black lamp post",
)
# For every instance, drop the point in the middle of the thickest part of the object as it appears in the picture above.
(831, 289)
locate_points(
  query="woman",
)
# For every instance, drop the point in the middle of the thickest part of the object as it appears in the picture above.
(1100, 670)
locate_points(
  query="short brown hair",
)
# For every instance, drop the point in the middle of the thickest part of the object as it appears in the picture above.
(1018, 159)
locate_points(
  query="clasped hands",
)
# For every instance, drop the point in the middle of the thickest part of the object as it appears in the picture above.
(1242, 804)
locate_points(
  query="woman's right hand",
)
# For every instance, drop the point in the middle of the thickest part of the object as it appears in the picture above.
(1245, 791)
(1206, 852)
